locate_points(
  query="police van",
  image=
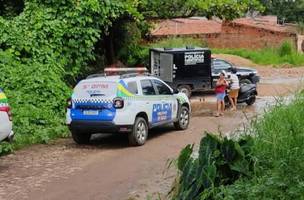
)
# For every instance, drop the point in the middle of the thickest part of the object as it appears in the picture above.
(132, 103)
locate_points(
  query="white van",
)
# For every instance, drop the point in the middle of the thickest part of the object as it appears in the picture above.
(131, 103)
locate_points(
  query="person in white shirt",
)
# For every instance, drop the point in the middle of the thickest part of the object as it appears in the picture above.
(234, 88)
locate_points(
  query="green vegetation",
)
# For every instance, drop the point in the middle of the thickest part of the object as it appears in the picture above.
(220, 162)
(225, 9)
(42, 52)
(276, 151)
(288, 11)
(286, 54)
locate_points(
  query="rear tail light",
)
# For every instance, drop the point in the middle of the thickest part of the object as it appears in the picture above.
(118, 103)
(69, 103)
(7, 109)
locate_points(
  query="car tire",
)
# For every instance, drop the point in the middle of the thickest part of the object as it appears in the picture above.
(183, 119)
(251, 100)
(245, 81)
(186, 89)
(139, 133)
(80, 137)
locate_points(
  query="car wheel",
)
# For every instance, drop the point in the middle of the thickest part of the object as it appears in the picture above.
(183, 119)
(251, 100)
(245, 81)
(139, 133)
(185, 89)
(80, 137)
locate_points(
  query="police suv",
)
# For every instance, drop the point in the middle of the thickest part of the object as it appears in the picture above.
(6, 132)
(131, 103)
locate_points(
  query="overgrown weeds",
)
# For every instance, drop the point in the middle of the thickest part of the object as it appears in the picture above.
(286, 54)
(275, 153)
(220, 162)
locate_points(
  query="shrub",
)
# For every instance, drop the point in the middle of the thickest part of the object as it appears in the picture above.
(219, 162)
(285, 54)
(286, 49)
(42, 51)
(268, 166)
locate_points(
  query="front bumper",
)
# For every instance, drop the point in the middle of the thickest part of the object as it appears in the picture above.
(98, 127)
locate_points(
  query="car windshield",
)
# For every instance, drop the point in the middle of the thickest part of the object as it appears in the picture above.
(221, 65)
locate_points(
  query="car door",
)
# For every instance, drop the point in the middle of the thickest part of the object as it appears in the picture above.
(165, 110)
(149, 99)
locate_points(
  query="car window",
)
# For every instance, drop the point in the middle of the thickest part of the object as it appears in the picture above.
(162, 88)
(221, 65)
(147, 87)
(132, 87)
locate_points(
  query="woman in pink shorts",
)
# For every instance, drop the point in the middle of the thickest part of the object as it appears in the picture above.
(220, 92)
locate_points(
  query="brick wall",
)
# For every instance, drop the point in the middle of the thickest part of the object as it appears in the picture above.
(237, 35)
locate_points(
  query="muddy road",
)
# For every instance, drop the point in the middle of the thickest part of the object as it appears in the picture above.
(109, 169)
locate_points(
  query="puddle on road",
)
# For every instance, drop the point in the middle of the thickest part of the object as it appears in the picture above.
(282, 80)
(206, 106)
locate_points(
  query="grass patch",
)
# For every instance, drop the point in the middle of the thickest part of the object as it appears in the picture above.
(286, 54)
(278, 150)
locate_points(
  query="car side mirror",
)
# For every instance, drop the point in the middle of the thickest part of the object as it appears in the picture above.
(175, 91)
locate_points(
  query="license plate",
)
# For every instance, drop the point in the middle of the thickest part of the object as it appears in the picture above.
(90, 112)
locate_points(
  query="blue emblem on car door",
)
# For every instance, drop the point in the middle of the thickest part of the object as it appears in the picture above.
(161, 112)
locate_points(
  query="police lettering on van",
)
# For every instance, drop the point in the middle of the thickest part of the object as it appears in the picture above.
(193, 58)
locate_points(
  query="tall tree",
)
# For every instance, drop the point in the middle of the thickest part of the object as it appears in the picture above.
(286, 10)
(225, 9)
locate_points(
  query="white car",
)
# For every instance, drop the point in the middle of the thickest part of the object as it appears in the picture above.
(6, 132)
(130, 103)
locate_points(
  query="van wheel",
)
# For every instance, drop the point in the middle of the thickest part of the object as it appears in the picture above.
(81, 138)
(183, 119)
(139, 133)
(185, 89)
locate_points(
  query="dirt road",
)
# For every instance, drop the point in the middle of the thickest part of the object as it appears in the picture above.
(111, 170)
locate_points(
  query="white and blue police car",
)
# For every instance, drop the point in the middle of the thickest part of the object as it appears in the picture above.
(131, 103)
(6, 132)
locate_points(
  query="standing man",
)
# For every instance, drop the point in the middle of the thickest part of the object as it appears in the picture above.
(234, 89)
